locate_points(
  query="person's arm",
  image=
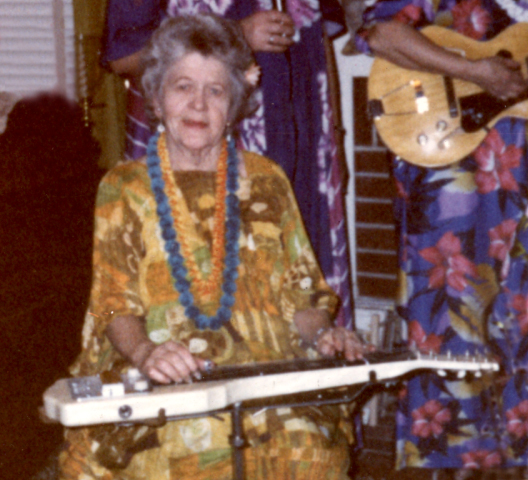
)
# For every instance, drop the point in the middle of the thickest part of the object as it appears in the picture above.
(167, 362)
(405, 46)
(129, 26)
(268, 31)
(129, 66)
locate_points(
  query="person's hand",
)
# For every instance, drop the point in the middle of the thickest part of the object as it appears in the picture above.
(502, 77)
(338, 340)
(168, 362)
(268, 31)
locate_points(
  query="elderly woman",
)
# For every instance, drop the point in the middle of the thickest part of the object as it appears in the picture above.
(201, 255)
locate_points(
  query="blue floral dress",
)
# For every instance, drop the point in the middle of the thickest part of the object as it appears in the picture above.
(293, 125)
(464, 274)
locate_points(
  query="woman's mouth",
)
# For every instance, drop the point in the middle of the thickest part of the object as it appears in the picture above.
(194, 124)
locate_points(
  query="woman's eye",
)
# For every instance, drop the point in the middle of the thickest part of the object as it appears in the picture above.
(217, 91)
(183, 87)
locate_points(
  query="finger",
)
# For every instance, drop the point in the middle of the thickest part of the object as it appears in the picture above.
(280, 30)
(186, 364)
(174, 361)
(512, 64)
(283, 18)
(277, 39)
(154, 374)
(353, 349)
(278, 44)
(162, 371)
(325, 344)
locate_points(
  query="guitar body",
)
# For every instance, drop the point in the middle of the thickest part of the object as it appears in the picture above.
(435, 137)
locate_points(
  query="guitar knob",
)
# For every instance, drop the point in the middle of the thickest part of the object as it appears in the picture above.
(441, 126)
(443, 144)
(125, 411)
(422, 139)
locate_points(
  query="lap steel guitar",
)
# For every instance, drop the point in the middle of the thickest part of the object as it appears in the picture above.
(88, 400)
(432, 120)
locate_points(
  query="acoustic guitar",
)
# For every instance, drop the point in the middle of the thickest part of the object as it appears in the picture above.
(432, 120)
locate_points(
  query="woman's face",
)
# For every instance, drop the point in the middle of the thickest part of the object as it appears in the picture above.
(194, 103)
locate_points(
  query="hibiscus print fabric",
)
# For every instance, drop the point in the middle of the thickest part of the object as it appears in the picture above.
(464, 275)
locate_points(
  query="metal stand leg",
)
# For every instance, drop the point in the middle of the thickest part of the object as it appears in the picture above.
(238, 442)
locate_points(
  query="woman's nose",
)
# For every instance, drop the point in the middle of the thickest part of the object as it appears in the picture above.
(199, 101)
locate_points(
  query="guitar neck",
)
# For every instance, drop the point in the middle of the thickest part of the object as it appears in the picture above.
(302, 365)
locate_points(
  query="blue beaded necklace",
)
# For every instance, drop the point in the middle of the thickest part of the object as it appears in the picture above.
(172, 246)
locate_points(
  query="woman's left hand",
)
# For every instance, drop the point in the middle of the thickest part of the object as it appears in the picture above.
(340, 341)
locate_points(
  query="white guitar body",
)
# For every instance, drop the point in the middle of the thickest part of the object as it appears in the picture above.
(204, 397)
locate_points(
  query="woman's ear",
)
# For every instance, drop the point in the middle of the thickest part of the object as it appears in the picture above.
(157, 108)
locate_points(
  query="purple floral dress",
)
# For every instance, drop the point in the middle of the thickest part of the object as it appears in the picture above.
(293, 125)
(464, 275)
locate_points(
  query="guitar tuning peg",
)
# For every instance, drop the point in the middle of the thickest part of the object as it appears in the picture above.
(478, 374)
(441, 373)
(461, 374)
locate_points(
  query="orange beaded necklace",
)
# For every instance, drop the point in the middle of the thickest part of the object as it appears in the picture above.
(206, 286)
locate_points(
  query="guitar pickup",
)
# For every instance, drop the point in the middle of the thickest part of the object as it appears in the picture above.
(375, 108)
(422, 103)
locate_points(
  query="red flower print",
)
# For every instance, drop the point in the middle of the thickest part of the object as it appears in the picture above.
(481, 459)
(400, 191)
(410, 14)
(494, 160)
(520, 304)
(471, 19)
(518, 420)
(424, 343)
(449, 264)
(430, 419)
(501, 239)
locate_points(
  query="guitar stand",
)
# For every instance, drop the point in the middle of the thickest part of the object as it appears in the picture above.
(238, 439)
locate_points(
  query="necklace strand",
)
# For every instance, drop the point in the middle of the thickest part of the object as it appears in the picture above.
(204, 287)
(167, 195)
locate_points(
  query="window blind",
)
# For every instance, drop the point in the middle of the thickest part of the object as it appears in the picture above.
(37, 46)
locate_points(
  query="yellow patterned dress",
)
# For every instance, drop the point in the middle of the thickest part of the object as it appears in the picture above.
(278, 275)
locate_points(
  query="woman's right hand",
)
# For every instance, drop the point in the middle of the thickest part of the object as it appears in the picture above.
(168, 362)
(502, 77)
(268, 31)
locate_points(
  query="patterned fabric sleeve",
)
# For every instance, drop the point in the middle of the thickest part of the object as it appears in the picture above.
(129, 25)
(418, 13)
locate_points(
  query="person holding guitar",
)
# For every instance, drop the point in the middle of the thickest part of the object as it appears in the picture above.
(462, 227)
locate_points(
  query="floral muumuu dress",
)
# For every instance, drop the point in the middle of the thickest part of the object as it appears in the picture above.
(464, 271)
(277, 276)
(293, 125)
